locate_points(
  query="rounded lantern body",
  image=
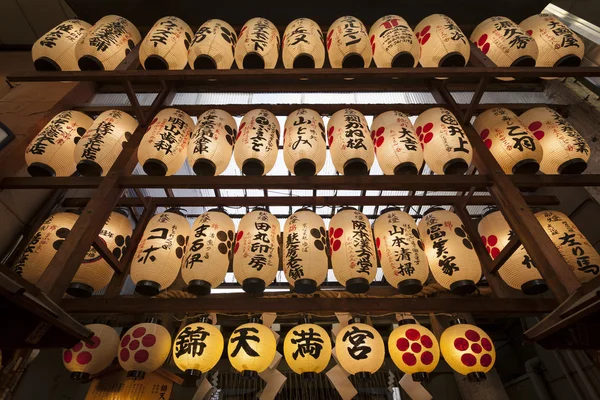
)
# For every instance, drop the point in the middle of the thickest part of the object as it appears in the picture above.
(84, 359)
(303, 45)
(304, 146)
(348, 44)
(257, 143)
(163, 148)
(102, 143)
(414, 349)
(211, 144)
(197, 348)
(307, 349)
(158, 258)
(213, 46)
(166, 44)
(393, 43)
(106, 44)
(565, 151)
(55, 50)
(359, 349)
(50, 153)
(446, 148)
(468, 350)
(251, 348)
(144, 348)
(351, 150)
(258, 45)
(442, 42)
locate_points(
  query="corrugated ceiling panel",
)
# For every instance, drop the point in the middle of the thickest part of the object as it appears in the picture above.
(276, 98)
(504, 97)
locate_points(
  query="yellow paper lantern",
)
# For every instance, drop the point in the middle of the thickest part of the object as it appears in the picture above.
(401, 251)
(351, 150)
(468, 350)
(166, 44)
(307, 349)
(414, 349)
(359, 349)
(106, 44)
(514, 147)
(446, 148)
(55, 50)
(100, 146)
(442, 42)
(353, 256)
(565, 150)
(256, 251)
(393, 43)
(251, 348)
(211, 143)
(85, 359)
(158, 258)
(304, 146)
(163, 148)
(303, 44)
(449, 250)
(258, 45)
(257, 143)
(213, 46)
(348, 44)
(396, 144)
(304, 251)
(144, 348)
(197, 348)
(50, 153)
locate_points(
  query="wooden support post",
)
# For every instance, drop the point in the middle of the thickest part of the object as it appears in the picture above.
(105, 253)
(505, 254)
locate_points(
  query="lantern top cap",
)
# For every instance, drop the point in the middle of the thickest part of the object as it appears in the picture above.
(175, 210)
(122, 211)
(489, 210)
(390, 209)
(347, 208)
(407, 321)
(458, 321)
(218, 210)
(152, 320)
(357, 320)
(433, 209)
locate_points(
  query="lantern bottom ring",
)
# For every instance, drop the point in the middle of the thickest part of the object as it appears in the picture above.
(136, 374)
(191, 376)
(253, 167)
(249, 374)
(456, 166)
(463, 288)
(410, 286)
(80, 290)
(403, 59)
(204, 167)
(199, 287)
(253, 61)
(204, 61)
(305, 286)
(253, 286)
(80, 376)
(304, 60)
(526, 167)
(357, 285)
(90, 63)
(309, 376)
(574, 166)
(46, 64)
(453, 59)
(420, 377)
(476, 376)
(89, 168)
(154, 167)
(406, 168)
(364, 376)
(356, 167)
(38, 169)
(147, 288)
(353, 60)
(535, 286)
(155, 62)
(305, 167)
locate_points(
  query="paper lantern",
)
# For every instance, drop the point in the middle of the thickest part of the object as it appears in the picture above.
(348, 44)
(414, 349)
(442, 42)
(468, 350)
(449, 251)
(144, 348)
(213, 46)
(353, 256)
(50, 153)
(396, 144)
(393, 43)
(163, 148)
(303, 44)
(211, 144)
(256, 251)
(257, 143)
(565, 150)
(166, 44)
(401, 251)
(210, 250)
(106, 44)
(446, 148)
(251, 348)
(102, 143)
(304, 146)
(197, 348)
(518, 271)
(258, 45)
(158, 258)
(514, 147)
(307, 349)
(351, 150)
(85, 359)
(304, 251)
(55, 50)
(577, 251)
(359, 349)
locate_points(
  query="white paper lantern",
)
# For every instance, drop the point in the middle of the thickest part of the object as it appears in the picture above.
(166, 44)
(258, 45)
(303, 44)
(348, 44)
(360, 349)
(86, 359)
(257, 143)
(144, 348)
(304, 146)
(393, 43)
(350, 149)
(442, 42)
(211, 144)
(55, 50)
(213, 46)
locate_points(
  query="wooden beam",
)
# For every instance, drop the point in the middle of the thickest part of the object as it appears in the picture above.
(505, 254)
(108, 256)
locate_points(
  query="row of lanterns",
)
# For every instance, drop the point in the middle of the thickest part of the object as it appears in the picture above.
(540, 40)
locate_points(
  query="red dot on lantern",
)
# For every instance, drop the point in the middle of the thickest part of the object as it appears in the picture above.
(413, 334)
(426, 341)
(485, 360)
(240, 234)
(427, 358)
(418, 131)
(380, 131)
(428, 126)
(237, 246)
(483, 240)
(461, 344)
(84, 357)
(471, 334)
(124, 355)
(372, 39)
(534, 126)
(495, 252)
(379, 254)
(68, 356)
(428, 137)
(492, 240)
(380, 141)
(378, 242)
(488, 249)
(484, 133)
(330, 130)
(425, 38)
(336, 245)
(96, 343)
(77, 347)
(134, 344)
(409, 359)
(125, 340)
(539, 135)
(488, 143)
(149, 340)
(468, 359)
(141, 356)
(331, 231)
(482, 39)
(338, 232)
(486, 344)
(402, 344)
(139, 332)
(476, 348)
(529, 32)
(486, 48)
(425, 30)
(415, 347)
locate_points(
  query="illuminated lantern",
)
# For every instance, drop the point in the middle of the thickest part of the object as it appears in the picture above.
(144, 348)
(100, 146)
(442, 42)
(211, 144)
(514, 147)
(359, 349)
(197, 348)
(213, 46)
(577, 251)
(348, 44)
(166, 44)
(251, 348)
(258, 45)
(518, 271)
(304, 251)
(303, 44)
(565, 150)
(353, 256)
(449, 250)
(396, 145)
(446, 148)
(401, 251)
(85, 359)
(304, 146)
(210, 249)
(414, 349)
(257, 142)
(468, 350)
(50, 153)
(106, 44)
(158, 258)
(393, 43)
(307, 349)
(256, 251)
(351, 150)
(55, 50)
(163, 148)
